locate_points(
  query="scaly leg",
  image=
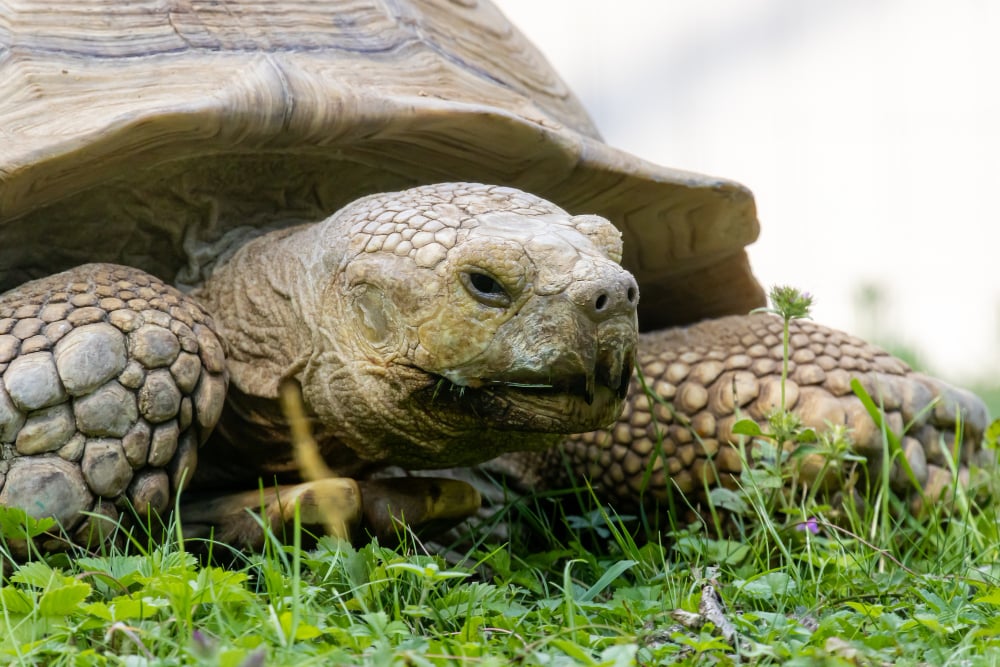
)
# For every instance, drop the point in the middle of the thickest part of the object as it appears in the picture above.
(110, 381)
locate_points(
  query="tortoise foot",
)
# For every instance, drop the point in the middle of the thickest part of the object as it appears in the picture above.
(336, 506)
(110, 381)
(425, 505)
(243, 519)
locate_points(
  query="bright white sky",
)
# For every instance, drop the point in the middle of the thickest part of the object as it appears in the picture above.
(869, 131)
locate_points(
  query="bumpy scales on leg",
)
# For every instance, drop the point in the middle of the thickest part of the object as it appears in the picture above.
(111, 380)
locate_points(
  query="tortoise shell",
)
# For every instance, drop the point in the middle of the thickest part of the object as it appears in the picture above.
(163, 133)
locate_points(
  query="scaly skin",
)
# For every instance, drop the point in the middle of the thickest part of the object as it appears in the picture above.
(111, 380)
(440, 326)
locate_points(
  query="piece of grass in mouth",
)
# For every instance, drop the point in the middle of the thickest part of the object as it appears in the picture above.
(445, 383)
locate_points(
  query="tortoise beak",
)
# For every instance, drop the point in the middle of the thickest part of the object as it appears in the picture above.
(611, 367)
(614, 369)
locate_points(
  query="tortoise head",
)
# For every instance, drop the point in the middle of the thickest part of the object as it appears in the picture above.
(471, 313)
(446, 324)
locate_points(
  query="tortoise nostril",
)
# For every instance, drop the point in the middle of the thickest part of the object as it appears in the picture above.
(601, 302)
(630, 294)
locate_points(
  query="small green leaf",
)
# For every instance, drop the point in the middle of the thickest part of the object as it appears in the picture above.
(574, 651)
(992, 435)
(125, 609)
(100, 610)
(807, 435)
(931, 622)
(64, 600)
(762, 479)
(729, 552)
(802, 451)
(747, 427)
(16, 601)
(992, 596)
(17, 524)
(303, 631)
(770, 586)
(430, 571)
(37, 574)
(122, 570)
(619, 655)
(728, 499)
(872, 610)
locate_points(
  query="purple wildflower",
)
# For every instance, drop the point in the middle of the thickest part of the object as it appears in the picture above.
(809, 524)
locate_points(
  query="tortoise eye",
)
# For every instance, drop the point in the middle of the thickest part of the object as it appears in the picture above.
(486, 289)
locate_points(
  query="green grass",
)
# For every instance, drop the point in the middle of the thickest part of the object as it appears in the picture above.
(580, 590)
(564, 590)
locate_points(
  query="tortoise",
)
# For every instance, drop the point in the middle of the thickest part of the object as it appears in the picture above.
(399, 209)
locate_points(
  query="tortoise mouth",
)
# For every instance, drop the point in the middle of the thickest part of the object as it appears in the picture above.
(583, 386)
(510, 406)
(572, 403)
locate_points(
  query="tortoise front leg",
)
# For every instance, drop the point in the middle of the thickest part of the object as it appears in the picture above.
(326, 503)
(111, 380)
(337, 506)
(709, 375)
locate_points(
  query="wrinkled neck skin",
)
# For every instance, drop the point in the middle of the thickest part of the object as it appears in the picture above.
(262, 302)
(397, 362)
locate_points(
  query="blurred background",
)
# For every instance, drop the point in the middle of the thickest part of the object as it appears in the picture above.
(869, 131)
